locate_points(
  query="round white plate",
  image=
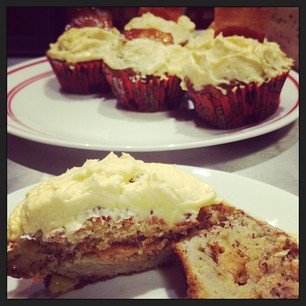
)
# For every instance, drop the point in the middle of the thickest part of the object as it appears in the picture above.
(277, 207)
(37, 110)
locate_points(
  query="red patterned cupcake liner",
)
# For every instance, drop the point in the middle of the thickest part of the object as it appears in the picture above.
(80, 78)
(244, 104)
(149, 94)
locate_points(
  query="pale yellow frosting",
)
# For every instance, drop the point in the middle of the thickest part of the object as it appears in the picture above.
(182, 30)
(148, 57)
(84, 44)
(201, 41)
(113, 183)
(219, 60)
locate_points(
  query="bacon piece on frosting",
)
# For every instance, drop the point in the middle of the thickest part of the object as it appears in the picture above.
(165, 38)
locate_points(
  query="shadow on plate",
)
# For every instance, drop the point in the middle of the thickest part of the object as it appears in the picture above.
(53, 91)
(167, 282)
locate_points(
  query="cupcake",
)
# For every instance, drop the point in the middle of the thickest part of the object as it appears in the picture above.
(77, 56)
(166, 12)
(80, 17)
(182, 29)
(144, 71)
(234, 81)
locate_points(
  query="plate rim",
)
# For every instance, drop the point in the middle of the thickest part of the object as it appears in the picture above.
(228, 136)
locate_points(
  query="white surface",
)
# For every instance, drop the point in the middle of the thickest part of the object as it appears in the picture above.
(281, 171)
(39, 111)
(264, 201)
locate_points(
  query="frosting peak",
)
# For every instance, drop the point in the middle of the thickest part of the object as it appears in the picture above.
(221, 59)
(148, 57)
(84, 44)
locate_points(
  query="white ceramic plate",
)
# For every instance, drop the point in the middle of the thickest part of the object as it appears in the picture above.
(37, 110)
(274, 205)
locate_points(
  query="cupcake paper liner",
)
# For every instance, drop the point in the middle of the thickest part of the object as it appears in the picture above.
(149, 94)
(80, 78)
(244, 104)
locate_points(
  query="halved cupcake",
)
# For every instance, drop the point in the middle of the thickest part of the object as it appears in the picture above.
(109, 217)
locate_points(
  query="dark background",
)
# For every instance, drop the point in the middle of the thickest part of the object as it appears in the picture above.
(30, 30)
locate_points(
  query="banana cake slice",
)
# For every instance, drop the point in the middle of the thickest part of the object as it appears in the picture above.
(235, 255)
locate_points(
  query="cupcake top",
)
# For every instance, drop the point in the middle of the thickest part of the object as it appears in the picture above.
(220, 60)
(148, 57)
(201, 40)
(182, 30)
(84, 44)
(114, 186)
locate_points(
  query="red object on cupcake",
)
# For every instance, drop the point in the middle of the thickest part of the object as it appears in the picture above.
(165, 38)
(141, 75)
(166, 20)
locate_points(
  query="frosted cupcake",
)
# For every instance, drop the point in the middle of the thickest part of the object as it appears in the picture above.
(144, 72)
(234, 81)
(77, 58)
